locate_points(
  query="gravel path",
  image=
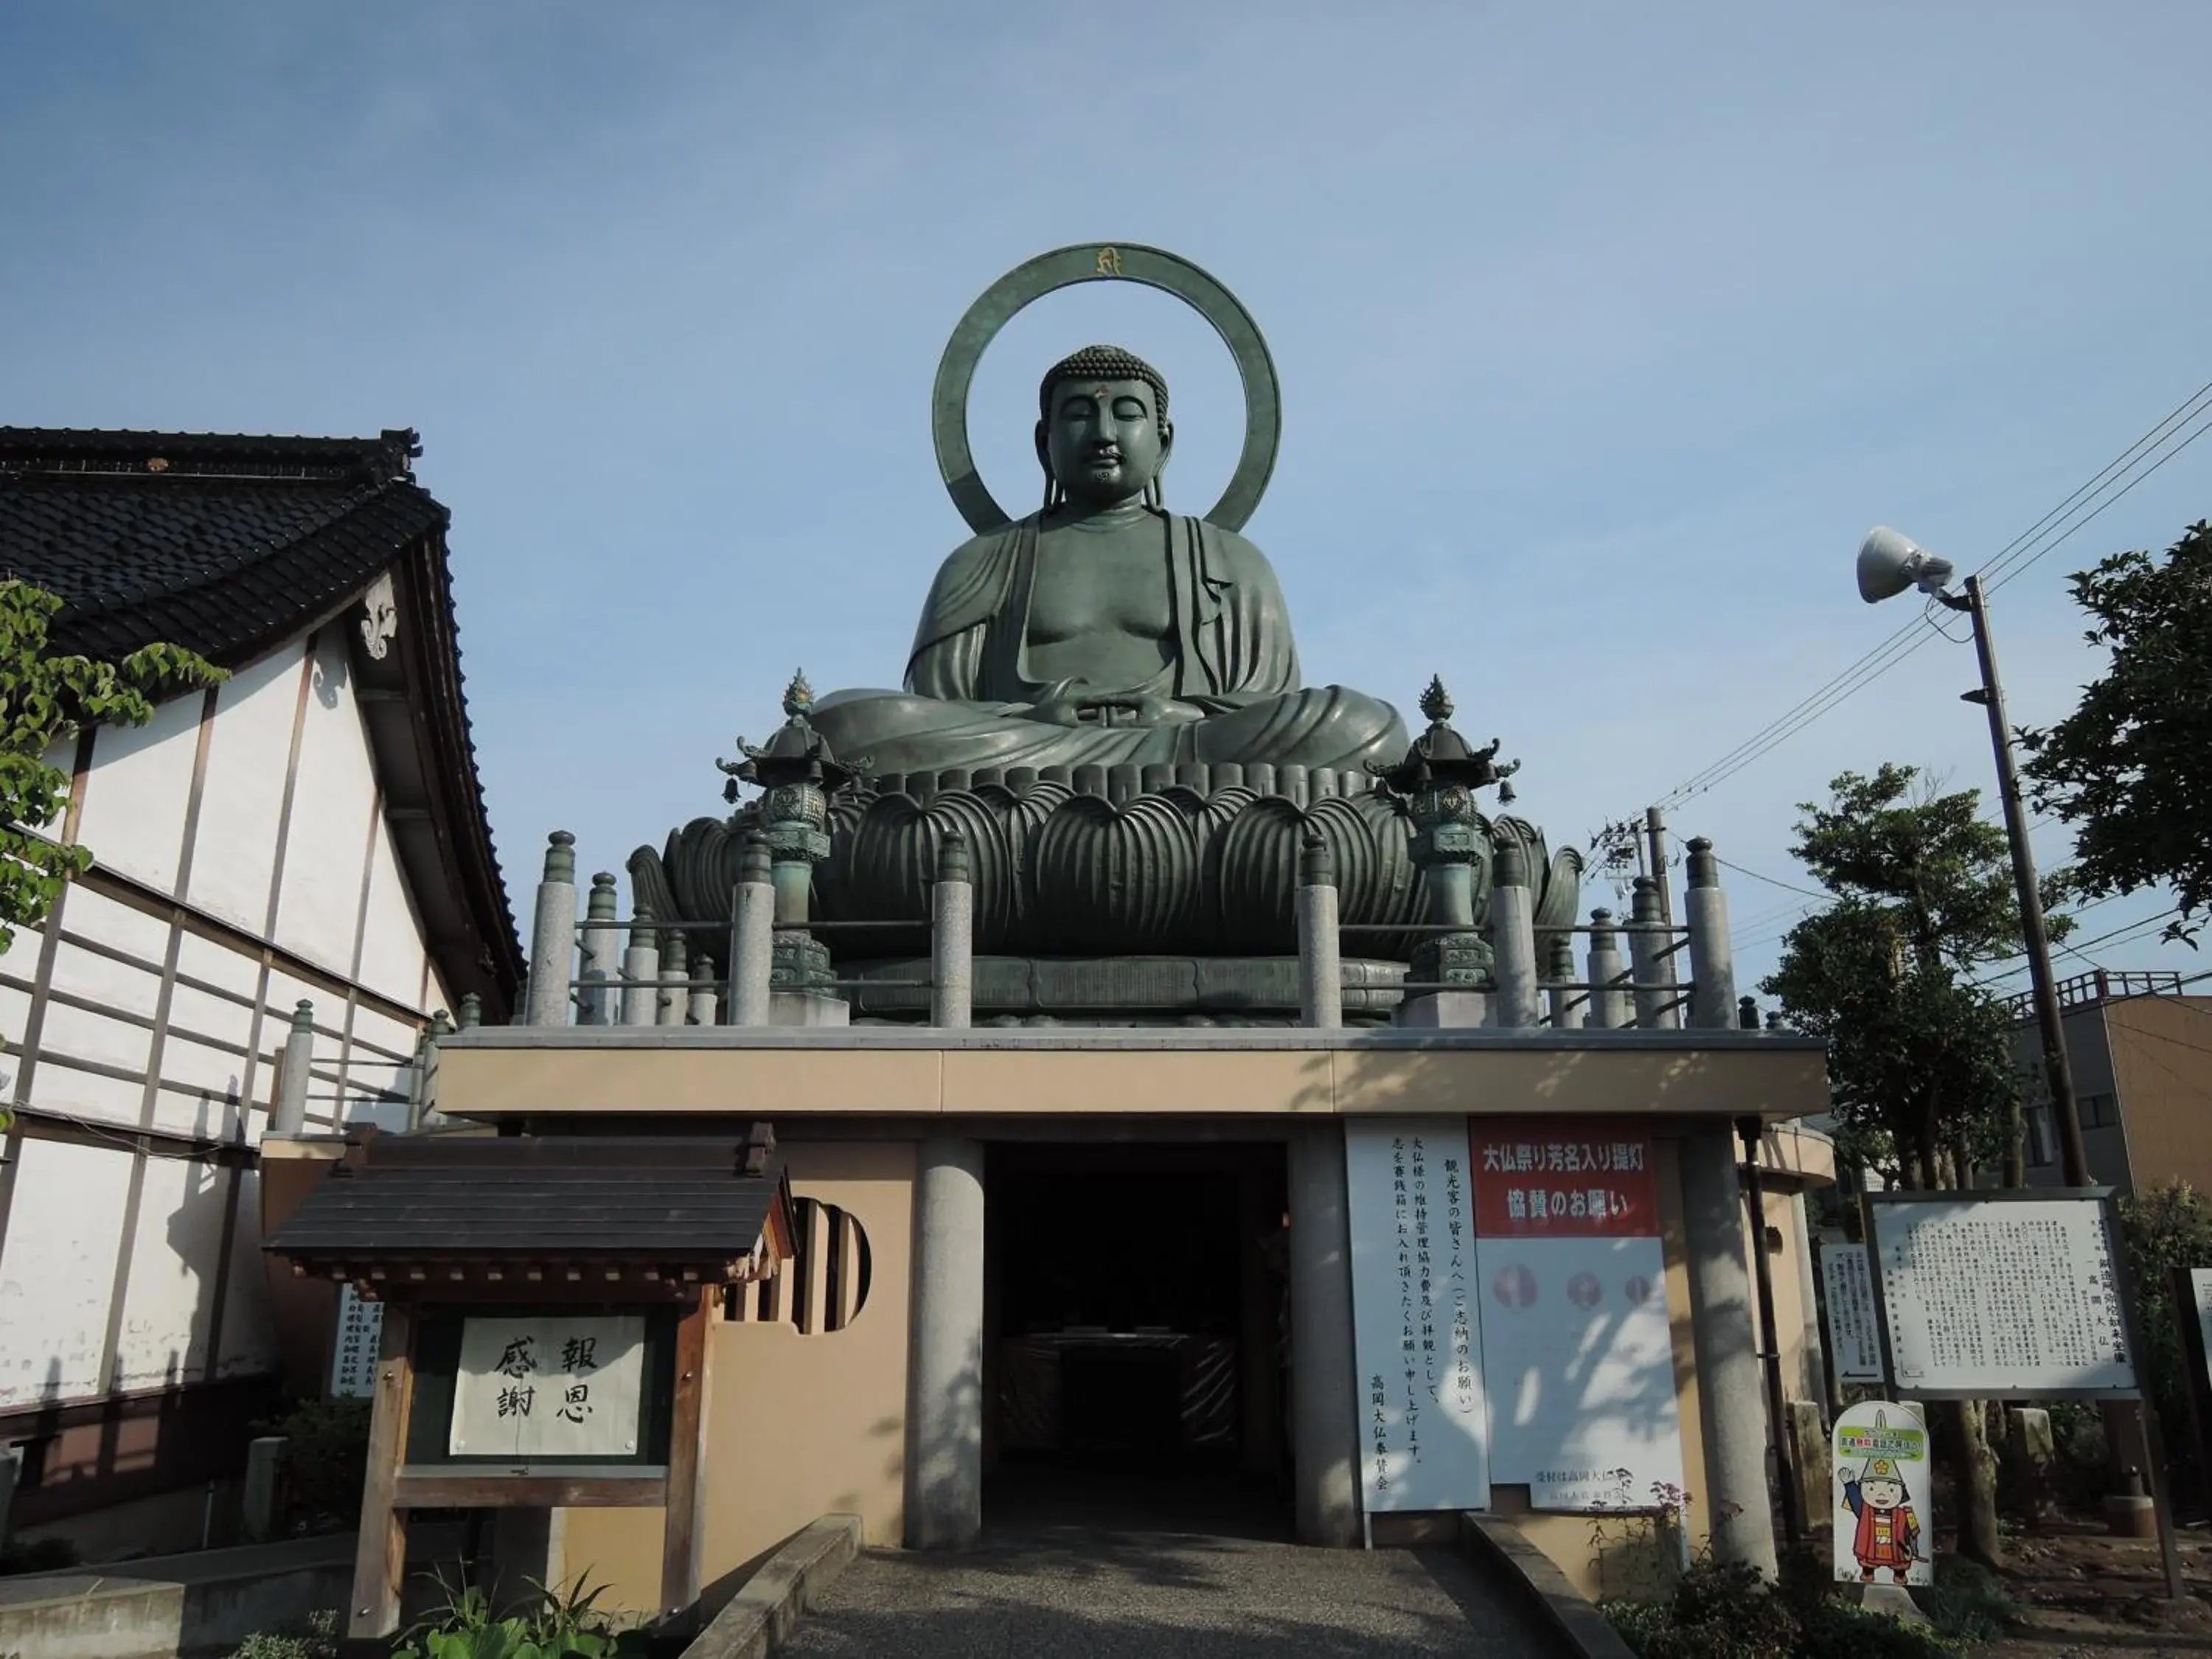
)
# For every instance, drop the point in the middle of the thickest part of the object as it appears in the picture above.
(1088, 1595)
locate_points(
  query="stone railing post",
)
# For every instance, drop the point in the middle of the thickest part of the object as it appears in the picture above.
(641, 997)
(675, 974)
(702, 1007)
(1512, 941)
(1652, 961)
(1608, 1004)
(1320, 954)
(472, 1015)
(1448, 839)
(1712, 955)
(601, 956)
(290, 1116)
(1568, 1007)
(553, 936)
(753, 943)
(952, 938)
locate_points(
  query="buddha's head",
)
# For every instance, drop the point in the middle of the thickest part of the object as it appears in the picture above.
(1103, 433)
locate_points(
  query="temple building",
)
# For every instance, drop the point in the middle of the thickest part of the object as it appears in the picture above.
(291, 874)
(1192, 1092)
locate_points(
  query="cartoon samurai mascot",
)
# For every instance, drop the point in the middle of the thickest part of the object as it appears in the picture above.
(1888, 1532)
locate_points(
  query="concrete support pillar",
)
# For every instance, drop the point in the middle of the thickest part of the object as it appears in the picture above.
(11, 1470)
(1515, 1005)
(601, 956)
(1324, 1386)
(1608, 1005)
(1712, 958)
(676, 973)
(1568, 1008)
(952, 938)
(290, 1116)
(1651, 960)
(703, 1005)
(553, 936)
(944, 1366)
(1729, 1383)
(641, 997)
(752, 937)
(1320, 960)
(263, 1457)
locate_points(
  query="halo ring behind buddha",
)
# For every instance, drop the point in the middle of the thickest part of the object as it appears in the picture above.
(1090, 261)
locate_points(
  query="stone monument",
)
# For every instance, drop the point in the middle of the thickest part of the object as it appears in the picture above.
(1103, 702)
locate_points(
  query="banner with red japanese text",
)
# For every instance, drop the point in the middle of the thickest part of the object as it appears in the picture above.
(1424, 1423)
(1578, 1357)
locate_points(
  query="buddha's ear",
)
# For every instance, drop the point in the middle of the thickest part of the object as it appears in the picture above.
(1167, 441)
(1044, 455)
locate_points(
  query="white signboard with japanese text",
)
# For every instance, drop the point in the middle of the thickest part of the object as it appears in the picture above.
(1424, 1424)
(360, 1338)
(1983, 1295)
(549, 1385)
(2200, 1292)
(1882, 1507)
(1579, 1357)
(1854, 1332)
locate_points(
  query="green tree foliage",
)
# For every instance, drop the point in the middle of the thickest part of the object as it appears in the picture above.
(2130, 769)
(2167, 1227)
(44, 699)
(1920, 1058)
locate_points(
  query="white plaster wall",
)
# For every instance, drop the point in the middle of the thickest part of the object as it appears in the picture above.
(249, 1341)
(234, 853)
(56, 1270)
(392, 938)
(135, 794)
(168, 1299)
(319, 903)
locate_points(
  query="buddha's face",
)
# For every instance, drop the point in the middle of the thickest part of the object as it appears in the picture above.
(1103, 440)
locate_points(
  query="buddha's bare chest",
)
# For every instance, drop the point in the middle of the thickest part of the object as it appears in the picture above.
(1090, 583)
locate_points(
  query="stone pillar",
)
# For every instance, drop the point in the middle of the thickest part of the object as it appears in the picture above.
(1513, 1004)
(553, 936)
(952, 938)
(676, 974)
(1321, 958)
(1569, 1008)
(1324, 1385)
(1608, 1005)
(640, 996)
(1815, 1381)
(601, 956)
(703, 1006)
(471, 1012)
(11, 1470)
(1730, 1387)
(290, 1116)
(1712, 955)
(752, 943)
(944, 1367)
(1652, 963)
(1446, 841)
(263, 1455)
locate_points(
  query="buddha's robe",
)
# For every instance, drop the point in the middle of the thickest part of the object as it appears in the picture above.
(969, 688)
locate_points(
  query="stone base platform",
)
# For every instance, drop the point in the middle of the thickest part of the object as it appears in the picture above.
(1122, 990)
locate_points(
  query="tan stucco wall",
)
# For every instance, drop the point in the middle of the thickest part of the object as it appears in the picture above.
(2161, 1050)
(782, 1083)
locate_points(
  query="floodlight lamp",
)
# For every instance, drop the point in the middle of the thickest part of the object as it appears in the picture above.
(1889, 563)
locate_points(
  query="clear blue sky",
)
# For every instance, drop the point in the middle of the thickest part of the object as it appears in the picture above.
(1605, 331)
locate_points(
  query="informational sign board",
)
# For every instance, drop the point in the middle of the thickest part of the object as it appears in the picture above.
(1578, 1358)
(2003, 1294)
(360, 1338)
(549, 1385)
(1854, 1330)
(1882, 1503)
(1424, 1422)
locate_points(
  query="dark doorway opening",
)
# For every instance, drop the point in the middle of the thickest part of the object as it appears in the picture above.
(1135, 1365)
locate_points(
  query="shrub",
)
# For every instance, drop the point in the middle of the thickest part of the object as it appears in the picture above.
(2167, 1227)
(565, 1625)
(316, 1639)
(37, 1555)
(326, 1456)
(1729, 1612)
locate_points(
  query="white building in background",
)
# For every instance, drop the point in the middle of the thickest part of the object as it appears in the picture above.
(312, 829)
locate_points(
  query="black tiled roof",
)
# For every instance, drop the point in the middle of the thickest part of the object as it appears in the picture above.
(225, 546)
(235, 545)
(587, 1198)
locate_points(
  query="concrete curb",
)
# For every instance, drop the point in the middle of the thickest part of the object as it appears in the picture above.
(789, 1583)
(1501, 1548)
